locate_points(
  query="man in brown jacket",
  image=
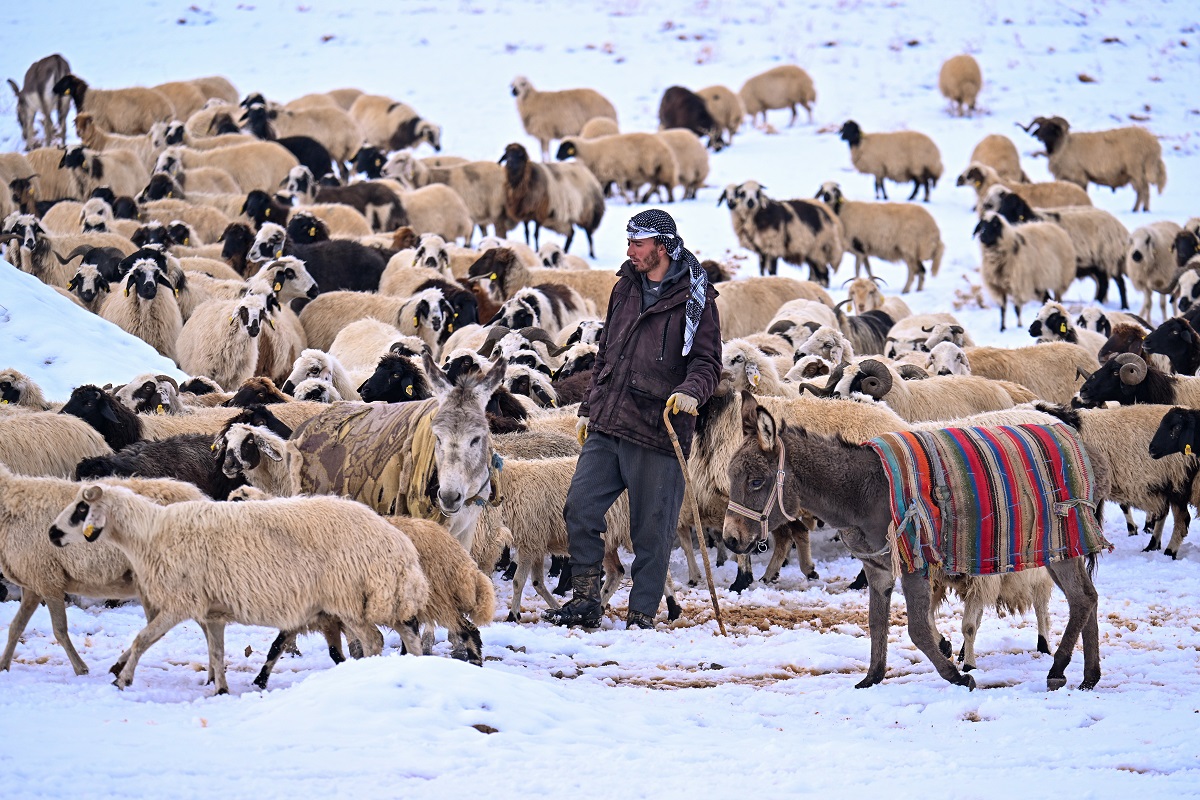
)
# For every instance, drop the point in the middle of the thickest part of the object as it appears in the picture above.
(661, 348)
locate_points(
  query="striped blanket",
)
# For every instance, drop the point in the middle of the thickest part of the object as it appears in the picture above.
(984, 501)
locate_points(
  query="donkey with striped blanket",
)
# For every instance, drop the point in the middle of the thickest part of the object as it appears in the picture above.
(781, 470)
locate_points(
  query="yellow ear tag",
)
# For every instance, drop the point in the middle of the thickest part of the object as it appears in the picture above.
(3, 402)
(267, 213)
(1187, 449)
(88, 532)
(450, 328)
(231, 319)
(159, 409)
(213, 447)
(493, 276)
(408, 390)
(1062, 328)
(416, 321)
(312, 231)
(754, 380)
(978, 184)
(278, 286)
(127, 291)
(279, 253)
(177, 293)
(271, 322)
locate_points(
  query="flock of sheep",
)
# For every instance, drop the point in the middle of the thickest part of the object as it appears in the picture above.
(299, 257)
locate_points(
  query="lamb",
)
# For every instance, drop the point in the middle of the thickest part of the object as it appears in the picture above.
(899, 156)
(18, 390)
(959, 82)
(891, 231)
(1024, 263)
(553, 115)
(314, 363)
(785, 86)
(1053, 324)
(726, 109)
(422, 315)
(747, 306)
(999, 153)
(220, 339)
(691, 159)
(140, 309)
(626, 160)
(44, 443)
(187, 458)
(45, 573)
(1099, 238)
(682, 108)
(1051, 194)
(37, 95)
(557, 196)
(254, 165)
(798, 231)
(479, 183)
(367, 575)
(939, 398)
(1050, 370)
(1151, 264)
(129, 111)
(1114, 158)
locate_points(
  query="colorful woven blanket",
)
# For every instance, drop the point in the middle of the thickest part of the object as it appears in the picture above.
(984, 501)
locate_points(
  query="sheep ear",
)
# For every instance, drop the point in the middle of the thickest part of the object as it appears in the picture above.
(106, 412)
(268, 449)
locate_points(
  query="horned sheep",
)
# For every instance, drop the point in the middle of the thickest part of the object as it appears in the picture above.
(553, 115)
(785, 86)
(1024, 263)
(899, 156)
(1051, 370)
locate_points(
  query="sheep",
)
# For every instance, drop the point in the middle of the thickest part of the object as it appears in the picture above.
(599, 126)
(1186, 245)
(51, 181)
(389, 125)
(335, 264)
(144, 146)
(332, 127)
(45, 573)
(208, 222)
(552, 256)
(553, 115)
(865, 295)
(317, 390)
(798, 231)
(396, 378)
(682, 108)
(314, 363)
(557, 196)
(800, 312)
(867, 332)
(1175, 340)
(1051, 194)
(140, 309)
(184, 184)
(1051, 370)
(959, 82)
(359, 346)
(1099, 238)
(726, 109)
(18, 390)
(151, 394)
(524, 381)
(220, 339)
(747, 306)
(626, 160)
(120, 169)
(37, 95)
(1113, 158)
(999, 153)
(549, 306)
(187, 458)
(691, 159)
(1125, 338)
(785, 86)
(829, 343)
(39, 254)
(1151, 265)
(1024, 263)
(423, 315)
(1053, 324)
(890, 231)
(367, 575)
(373, 199)
(44, 443)
(1128, 379)
(254, 165)
(502, 273)
(128, 111)
(479, 183)
(322, 221)
(753, 370)
(898, 156)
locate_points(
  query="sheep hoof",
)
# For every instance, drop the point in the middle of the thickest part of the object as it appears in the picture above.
(1171, 554)
(1054, 684)
(867, 682)
(1150, 548)
(813, 575)
(674, 610)
(116, 668)
(1043, 646)
(694, 582)
(261, 682)
(968, 667)
(512, 617)
(510, 572)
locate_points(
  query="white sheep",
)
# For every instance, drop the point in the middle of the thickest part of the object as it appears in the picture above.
(18, 390)
(423, 315)
(1050, 194)
(959, 81)
(221, 339)
(255, 165)
(1054, 324)
(1024, 263)
(479, 183)
(1051, 371)
(314, 363)
(999, 153)
(553, 115)
(726, 109)
(366, 575)
(140, 308)
(785, 86)
(899, 156)
(47, 443)
(131, 110)
(691, 159)
(1151, 264)
(627, 161)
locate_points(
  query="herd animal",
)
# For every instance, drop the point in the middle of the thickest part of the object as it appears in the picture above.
(326, 317)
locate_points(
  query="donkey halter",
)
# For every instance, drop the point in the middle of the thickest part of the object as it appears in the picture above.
(776, 496)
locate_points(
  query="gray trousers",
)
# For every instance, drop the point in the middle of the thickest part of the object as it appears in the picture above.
(607, 466)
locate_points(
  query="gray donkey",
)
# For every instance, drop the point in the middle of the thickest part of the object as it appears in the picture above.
(782, 470)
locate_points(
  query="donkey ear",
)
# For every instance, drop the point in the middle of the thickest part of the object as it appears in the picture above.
(749, 414)
(766, 430)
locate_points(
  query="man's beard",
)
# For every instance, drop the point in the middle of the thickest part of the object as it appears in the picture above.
(649, 264)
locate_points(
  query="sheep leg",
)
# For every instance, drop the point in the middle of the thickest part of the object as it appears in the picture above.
(518, 588)
(29, 604)
(916, 189)
(58, 622)
(879, 189)
(1154, 527)
(468, 644)
(922, 634)
(591, 244)
(674, 610)
(570, 238)
(689, 554)
(792, 121)
(368, 636)
(972, 618)
(1072, 578)
(762, 264)
(409, 637)
(273, 654)
(214, 635)
(538, 573)
(745, 574)
(1130, 526)
(155, 629)
(526, 224)
(537, 232)
(913, 271)
(428, 638)
(1182, 519)
(614, 571)
(1120, 281)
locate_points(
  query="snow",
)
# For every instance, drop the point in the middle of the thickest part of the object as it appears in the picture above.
(679, 711)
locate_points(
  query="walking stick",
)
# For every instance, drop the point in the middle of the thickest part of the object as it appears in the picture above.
(712, 591)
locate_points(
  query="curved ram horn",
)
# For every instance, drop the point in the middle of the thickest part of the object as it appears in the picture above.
(1133, 368)
(536, 334)
(169, 380)
(495, 334)
(81, 250)
(878, 280)
(926, 330)
(92, 493)
(877, 380)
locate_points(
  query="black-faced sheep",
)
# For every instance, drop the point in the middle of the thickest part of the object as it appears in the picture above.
(1024, 264)
(335, 264)
(798, 231)
(1177, 341)
(1051, 194)
(502, 273)
(785, 86)
(140, 308)
(557, 196)
(18, 390)
(1113, 158)
(553, 115)
(899, 156)
(187, 458)
(221, 338)
(959, 81)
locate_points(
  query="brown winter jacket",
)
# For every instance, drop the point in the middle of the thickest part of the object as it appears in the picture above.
(640, 363)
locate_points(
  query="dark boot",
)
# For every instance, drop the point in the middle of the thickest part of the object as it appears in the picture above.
(636, 619)
(584, 607)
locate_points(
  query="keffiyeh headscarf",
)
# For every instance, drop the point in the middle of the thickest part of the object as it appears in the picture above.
(659, 225)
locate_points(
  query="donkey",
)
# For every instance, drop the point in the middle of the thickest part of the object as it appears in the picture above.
(37, 95)
(783, 470)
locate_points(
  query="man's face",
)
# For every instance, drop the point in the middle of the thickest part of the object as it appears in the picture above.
(646, 255)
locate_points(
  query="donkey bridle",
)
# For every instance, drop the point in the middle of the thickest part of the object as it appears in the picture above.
(776, 496)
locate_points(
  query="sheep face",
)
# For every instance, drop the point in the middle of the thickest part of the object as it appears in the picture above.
(10, 393)
(1176, 339)
(579, 358)
(1176, 434)
(262, 208)
(850, 133)
(180, 233)
(26, 229)
(1117, 379)
(947, 358)
(88, 283)
(369, 161)
(525, 382)
(1094, 319)
(1189, 290)
(151, 234)
(144, 276)
(23, 195)
(242, 448)
(463, 362)
(236, 240)
(586, 332)
(491, 270)
(169, 162)
(809, 368)
(831, 195)
(520, 87)
(990, 230)
(826, 343)
(316, 390)
(94, 223)
(268, 244)
(161, 186)
(290, 270)
(1050, 131)
(252, 314)
(77, 157)
(397, 379)
(518, 312)
(300, 181)
(145, 397)
(256, 391)
(1186, 245)
(310, 364)
(83, 520)
(173, 134)
(305, 228)
(515, 161)
(1052, 324)
(432, 254)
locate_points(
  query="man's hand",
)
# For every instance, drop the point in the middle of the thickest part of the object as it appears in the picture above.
(581, 430)
(680, 403)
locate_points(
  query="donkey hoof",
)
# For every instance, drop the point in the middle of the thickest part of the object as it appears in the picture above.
(944, 648)
(867, 682)
(1089, 682)
(967, 681)
(1054, 684)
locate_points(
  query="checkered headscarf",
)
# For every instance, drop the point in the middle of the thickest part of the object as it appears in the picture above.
(661, 226)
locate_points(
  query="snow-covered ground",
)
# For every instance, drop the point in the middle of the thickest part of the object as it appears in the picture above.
(680, 711)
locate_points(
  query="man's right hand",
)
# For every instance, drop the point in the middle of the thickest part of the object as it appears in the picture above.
(581, 430)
